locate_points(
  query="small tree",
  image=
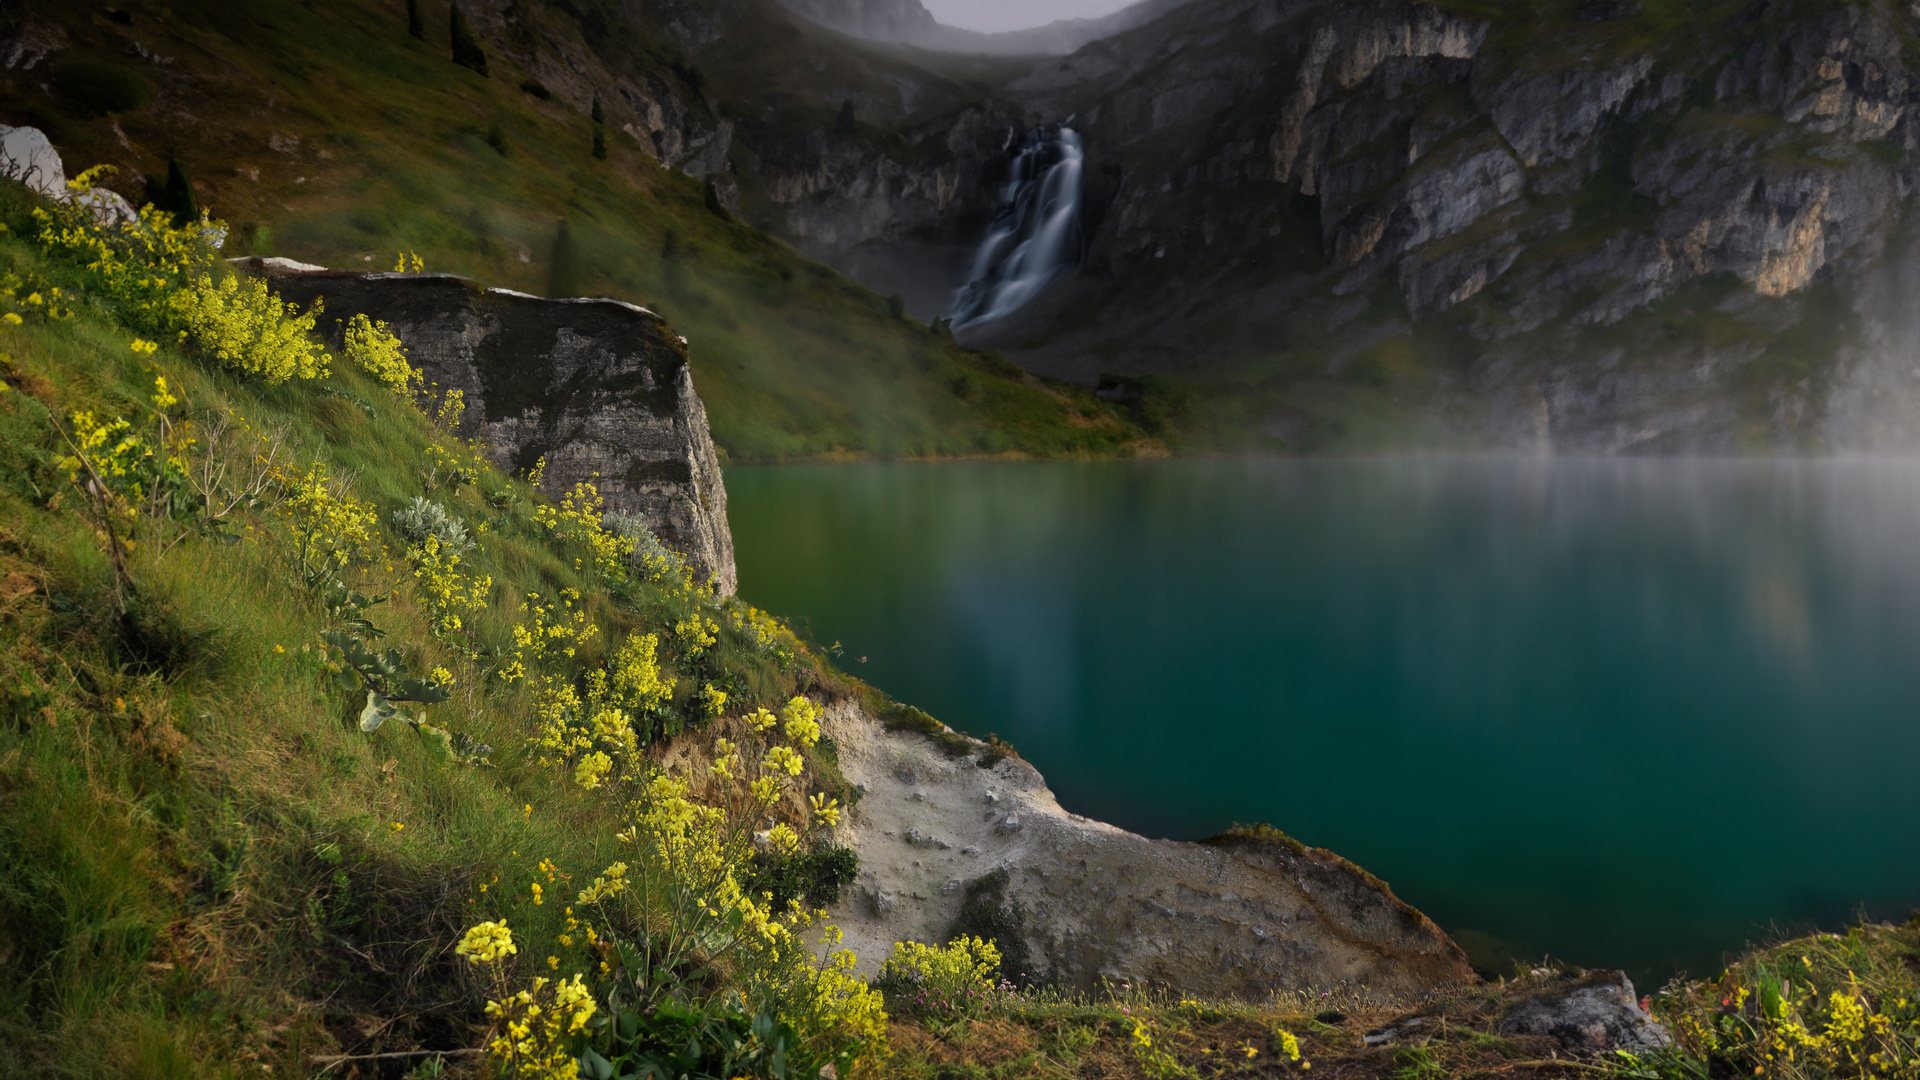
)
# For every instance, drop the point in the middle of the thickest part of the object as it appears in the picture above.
(599, 130)
(466, 48)
(599, 114)
(845, 124)
(415, 25)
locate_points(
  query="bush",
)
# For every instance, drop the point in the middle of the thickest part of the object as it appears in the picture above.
(372, 348)
(466, 48)
(957, 979)
(244, 325)
(815, 877)
(102, 88)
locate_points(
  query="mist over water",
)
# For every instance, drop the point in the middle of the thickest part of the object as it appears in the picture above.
(1035, 236)
(1630, 713)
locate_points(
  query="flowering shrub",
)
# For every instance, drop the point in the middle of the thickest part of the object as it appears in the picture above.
(960, 978)
(577, 519)
(1819, 1008)
(373, 349)
(444, 591)
(332, 529)
(142, 267)
(246, 327)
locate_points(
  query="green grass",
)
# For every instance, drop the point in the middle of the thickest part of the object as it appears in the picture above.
(205, 866)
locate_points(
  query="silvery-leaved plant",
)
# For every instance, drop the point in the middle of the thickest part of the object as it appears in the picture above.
(422, 518)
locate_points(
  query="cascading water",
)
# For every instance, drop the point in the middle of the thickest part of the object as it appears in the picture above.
(1036, 234)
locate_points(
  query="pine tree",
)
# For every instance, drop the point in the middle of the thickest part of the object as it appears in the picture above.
(599, 114)
(599, 143)
(415, 25)
(466, 49)
(845, 123)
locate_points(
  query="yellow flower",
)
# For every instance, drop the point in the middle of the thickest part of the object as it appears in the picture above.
(486, 943)
(1289, 1044)
(826, 811)
(10, 319)
(396, 827)
(144, 347)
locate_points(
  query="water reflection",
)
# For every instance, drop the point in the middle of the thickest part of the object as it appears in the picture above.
(1625, 711)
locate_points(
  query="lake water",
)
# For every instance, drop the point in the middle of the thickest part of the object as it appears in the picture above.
(1628, 713)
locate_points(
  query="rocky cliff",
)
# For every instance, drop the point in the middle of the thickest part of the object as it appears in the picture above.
(1594, 227)
(598, 388)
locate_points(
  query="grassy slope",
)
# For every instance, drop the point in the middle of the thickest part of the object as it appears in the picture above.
(205, 868)
(792, 359)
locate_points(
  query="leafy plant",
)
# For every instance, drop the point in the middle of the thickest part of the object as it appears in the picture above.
(386, 679)
(423, 518)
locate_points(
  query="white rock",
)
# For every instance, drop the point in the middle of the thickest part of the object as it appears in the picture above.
(27, 156)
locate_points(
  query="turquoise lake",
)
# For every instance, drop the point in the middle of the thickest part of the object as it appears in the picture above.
(1627, 713)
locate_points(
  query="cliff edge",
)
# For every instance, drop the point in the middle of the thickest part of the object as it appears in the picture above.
(955, 836)
(599, 388)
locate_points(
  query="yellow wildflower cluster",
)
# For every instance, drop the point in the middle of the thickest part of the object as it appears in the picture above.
(372, 348)
(143, 266)
(578, 518)
(332, 529)
(1769, 1020)
(487, 943)
(696, 634)
(956, 979)
(550, 634)
(245, 326)
(534, 1029)
(444, 591)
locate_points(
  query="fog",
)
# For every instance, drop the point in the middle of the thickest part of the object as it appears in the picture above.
(994, 16)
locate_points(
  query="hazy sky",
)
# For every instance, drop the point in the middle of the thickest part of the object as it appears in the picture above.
(994, 15)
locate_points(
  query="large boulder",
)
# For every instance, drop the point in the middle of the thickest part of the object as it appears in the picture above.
(599, 388)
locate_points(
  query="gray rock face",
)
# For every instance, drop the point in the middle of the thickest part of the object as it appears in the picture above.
(1596, 228)
(599, 388)
(1596, 1015)
(1093, 902)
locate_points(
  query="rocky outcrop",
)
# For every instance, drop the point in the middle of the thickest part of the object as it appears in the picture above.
(1596, 1015)
(952, 834)
(598, 388)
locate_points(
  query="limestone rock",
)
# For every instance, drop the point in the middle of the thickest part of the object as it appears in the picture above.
(599, 388)
(1094, 901)
(1596, 1015)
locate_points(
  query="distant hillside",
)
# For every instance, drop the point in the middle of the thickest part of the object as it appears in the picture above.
(1569, 226)
(331, 135)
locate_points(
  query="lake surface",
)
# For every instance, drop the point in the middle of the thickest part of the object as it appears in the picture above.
(1629, 713)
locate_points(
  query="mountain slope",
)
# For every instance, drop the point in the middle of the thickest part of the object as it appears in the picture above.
(1553, 226)
(332, 136)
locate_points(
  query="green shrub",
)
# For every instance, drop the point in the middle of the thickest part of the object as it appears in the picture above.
(102, 88)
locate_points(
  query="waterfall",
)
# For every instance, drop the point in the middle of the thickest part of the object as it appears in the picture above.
(1036, 234)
